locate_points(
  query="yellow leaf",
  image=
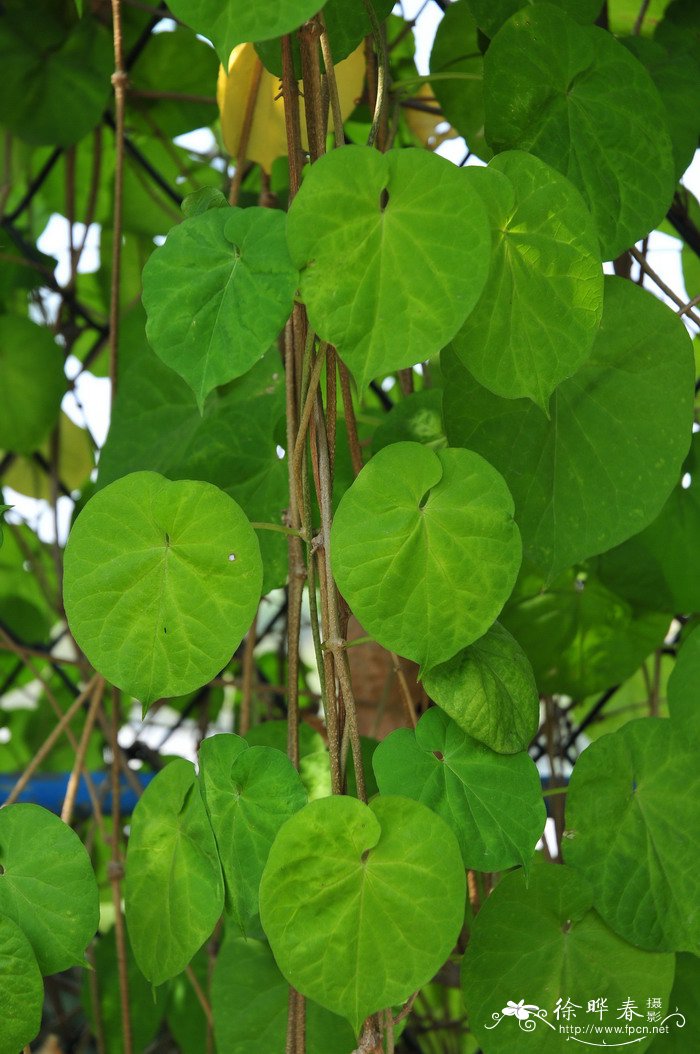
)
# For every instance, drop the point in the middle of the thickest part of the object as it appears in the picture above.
(425, 125)
(268, 139)
(75, 463)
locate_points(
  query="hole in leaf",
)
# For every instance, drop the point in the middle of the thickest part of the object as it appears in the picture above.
(383, 199)
(365, 856)
(231, 557)
(566, 928)
(439, 755)
(424, 500)
(165, 629)
(2, 870)
(167, 539)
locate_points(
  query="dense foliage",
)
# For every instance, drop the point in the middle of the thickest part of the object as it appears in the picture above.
(397, 515)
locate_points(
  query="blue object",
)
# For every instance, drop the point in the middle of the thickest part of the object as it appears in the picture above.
(49, 789)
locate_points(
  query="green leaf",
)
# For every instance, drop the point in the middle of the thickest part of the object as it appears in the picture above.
(541, 307)
(489, 690)
(491, 14)
(55, 72)
(600, 469)
(314, 760)
(47, 886)
(685, 995)
(537, 941)
(579, 636)
(156, 425)
(32, 475)
(217, 294)
(679, 29)
(684, 686)
(162, 581)
(237, 21)
(394, 251)
(174, 892)
(677, 78)
(177, 63)
(492, 803)
(417, 419)
(456, 50)
(21, 989)
(373, 912)
(249, 793)
(660, 567)
(578, 100)
(632, 801)
(202, 200)
(425, 550)
(249, 999)
(32, 383)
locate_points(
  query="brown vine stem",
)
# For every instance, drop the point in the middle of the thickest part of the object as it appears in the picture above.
(405, 690)
(657, 280)
(290, 93)
(639, 20)
(246, 129)
(201, 997)
(74, 778)
(94, 987)
(29, 663)
(382, 72)
(116, 873)
(309, 401)
(350, 421)
(313, 96)
(119, 82)
(334, 641)
(687, 307)
(338, 134)
(48, 744)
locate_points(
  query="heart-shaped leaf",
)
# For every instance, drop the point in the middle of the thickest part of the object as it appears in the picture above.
(162, 581)
(579, 636)
(249, 998)
(632, 803)
(362, 904)
(489, 690)
(425, 550)
(174, 891)
(540, 960)
(249, 793)
(217, 293)
(21, 989)
(492, 802)
(32, 382)
(601, 467)
(540, 309)
(233, 22)
(394, 251)
(491, 14)
(576, 98)
(47, 886)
